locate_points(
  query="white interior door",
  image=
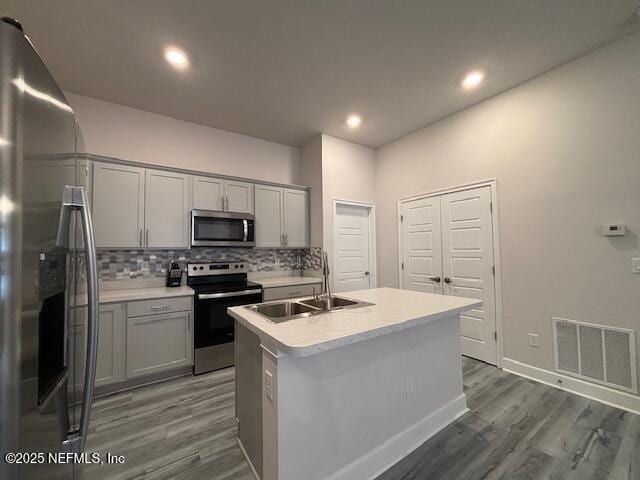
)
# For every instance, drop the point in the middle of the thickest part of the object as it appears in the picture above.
(422, 250)
(467, 251)
(352, 248)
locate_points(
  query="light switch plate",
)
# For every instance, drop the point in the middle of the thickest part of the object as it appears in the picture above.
(635, 265)
(534, 340)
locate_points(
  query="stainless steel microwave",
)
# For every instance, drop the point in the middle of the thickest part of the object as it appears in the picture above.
(222, 229)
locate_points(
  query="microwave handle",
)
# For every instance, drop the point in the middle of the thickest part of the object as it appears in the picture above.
(245, 230)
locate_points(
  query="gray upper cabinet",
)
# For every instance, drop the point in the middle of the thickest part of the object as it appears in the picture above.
(118, 205)
(239, 196)
(296, 218)
(269, 216)
(166, 209)
(136, 207)
(282, 217)
(210, 193)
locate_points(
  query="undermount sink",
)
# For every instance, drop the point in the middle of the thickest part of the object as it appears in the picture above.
(283, 311)
(331, 303)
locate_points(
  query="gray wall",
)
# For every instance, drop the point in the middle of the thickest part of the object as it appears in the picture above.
(565, 150)
(123, 132)
(311, 176)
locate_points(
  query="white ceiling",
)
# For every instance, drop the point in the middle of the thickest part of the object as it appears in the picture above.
(285, 70)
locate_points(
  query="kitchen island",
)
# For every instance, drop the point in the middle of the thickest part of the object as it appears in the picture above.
(347, 393)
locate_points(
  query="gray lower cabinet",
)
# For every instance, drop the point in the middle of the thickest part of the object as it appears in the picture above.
(156, 343)
(110, 367)
(135, 339)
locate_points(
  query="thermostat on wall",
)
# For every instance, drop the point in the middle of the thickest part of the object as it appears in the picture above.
(614, 230)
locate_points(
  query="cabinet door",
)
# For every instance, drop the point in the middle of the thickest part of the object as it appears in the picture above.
(208, 193)
(239, 197)
(296, 218)
(110, 367)
(157, 343)
(166, 209)
(118, 205)
(268, 216)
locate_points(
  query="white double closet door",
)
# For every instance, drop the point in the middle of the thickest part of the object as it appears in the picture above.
(447, 249)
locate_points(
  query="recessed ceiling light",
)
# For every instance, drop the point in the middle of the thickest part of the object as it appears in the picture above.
(353, 121)
(176, 57)
(472, 79)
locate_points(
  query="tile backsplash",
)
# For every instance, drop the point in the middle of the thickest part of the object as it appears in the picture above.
(147, 264)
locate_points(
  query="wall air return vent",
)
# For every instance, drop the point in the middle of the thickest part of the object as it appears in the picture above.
(596, 353)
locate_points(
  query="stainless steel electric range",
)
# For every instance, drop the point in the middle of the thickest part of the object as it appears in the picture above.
(218, 286)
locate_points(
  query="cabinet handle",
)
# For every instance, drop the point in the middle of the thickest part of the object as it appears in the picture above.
(226, 208)
(140, 237)
(286, 239)
(222, 202)
(447, 280)
(147, 238)
(160, 307)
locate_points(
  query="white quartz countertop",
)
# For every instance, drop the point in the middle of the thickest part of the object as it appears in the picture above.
(133, 294)
(287, 281)
(393, 310)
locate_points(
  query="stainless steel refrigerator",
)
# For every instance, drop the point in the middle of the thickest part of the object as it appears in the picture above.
(48, 276)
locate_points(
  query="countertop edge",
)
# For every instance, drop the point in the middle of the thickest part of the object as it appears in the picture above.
(295, 281)
(152, 293)
(306, 351)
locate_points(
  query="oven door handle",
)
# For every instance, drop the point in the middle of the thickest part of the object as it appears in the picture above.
(207, 296)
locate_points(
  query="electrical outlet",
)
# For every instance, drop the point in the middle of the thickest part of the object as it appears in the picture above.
(534, 340)
(268, 384)
(409, 386)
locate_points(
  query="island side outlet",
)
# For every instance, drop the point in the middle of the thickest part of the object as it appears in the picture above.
(343, 391)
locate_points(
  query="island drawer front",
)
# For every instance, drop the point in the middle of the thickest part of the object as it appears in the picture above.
(292, 291)
(160, 305)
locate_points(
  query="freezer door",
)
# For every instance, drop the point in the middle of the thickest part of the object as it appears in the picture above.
(40, 279)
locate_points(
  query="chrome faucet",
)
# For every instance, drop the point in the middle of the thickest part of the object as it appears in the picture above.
(325, 276)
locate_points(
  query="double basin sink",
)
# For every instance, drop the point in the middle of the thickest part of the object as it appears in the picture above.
(286, 310)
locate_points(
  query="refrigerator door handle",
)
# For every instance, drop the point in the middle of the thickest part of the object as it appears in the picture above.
(75, 198)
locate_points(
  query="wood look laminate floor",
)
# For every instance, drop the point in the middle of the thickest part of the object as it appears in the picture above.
(184, 429)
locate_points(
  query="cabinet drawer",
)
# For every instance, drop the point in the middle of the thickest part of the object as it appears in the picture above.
(160, 305)
(291, 291)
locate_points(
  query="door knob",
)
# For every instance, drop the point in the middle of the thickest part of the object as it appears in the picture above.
(366, 273)
(435, 279)
(447, 280)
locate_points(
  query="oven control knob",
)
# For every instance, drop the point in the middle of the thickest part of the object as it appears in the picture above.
(201, 268)
(242, 266)
(235, 266)
(195, 268)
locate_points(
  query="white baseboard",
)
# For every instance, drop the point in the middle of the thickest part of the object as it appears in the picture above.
(384, 456)
(246, 457)
(609, 396)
